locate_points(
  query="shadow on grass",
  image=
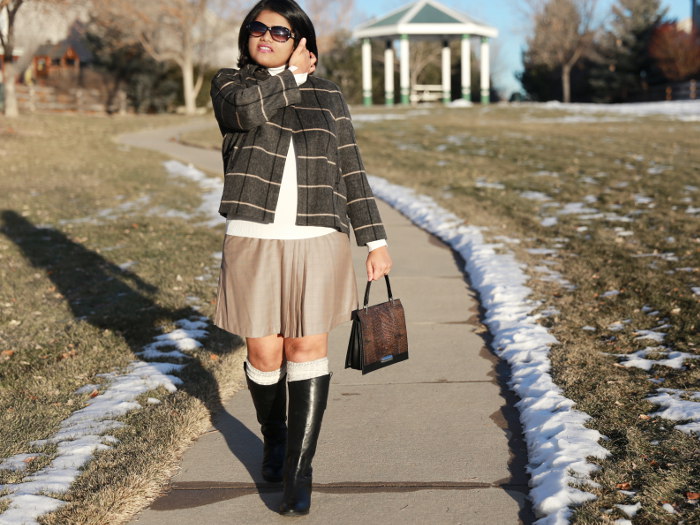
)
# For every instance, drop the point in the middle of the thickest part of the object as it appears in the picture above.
(108, 297)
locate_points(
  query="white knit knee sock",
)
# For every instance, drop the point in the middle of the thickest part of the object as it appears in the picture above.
(307, 369)
(264, 378)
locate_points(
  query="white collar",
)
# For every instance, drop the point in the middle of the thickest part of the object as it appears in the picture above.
(276, 70)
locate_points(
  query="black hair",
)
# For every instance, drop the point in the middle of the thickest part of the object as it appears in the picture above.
(295, 15)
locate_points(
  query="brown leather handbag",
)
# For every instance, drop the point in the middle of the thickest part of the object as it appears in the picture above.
(378, 337)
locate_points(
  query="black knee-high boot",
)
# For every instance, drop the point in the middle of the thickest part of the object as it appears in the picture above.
(307, 402)
(271, 409)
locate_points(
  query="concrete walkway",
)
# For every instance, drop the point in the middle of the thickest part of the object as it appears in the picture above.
(434, 440)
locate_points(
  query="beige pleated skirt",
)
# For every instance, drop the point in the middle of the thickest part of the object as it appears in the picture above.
(292, 287)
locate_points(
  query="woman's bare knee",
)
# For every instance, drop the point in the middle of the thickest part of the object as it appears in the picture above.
(307, 348)
(266, 353)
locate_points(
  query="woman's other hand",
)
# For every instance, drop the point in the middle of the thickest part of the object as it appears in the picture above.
(378, 263)
(303, 59)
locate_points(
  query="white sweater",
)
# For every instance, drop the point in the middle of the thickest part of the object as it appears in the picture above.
(284, 225)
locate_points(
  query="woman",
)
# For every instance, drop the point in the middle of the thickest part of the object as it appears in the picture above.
(293, 177)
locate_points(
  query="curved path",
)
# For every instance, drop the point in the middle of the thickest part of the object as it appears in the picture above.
(435, 439)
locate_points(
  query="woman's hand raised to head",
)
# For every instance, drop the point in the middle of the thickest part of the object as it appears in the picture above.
(378, 263)
(303, 59)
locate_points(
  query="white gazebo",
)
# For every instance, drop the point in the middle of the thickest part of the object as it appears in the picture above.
(423, 19)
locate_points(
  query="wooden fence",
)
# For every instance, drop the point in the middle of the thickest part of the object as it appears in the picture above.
(688, 90)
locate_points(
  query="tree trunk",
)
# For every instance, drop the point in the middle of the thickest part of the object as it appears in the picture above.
(188, 86)
(566, 82)
(11, 110)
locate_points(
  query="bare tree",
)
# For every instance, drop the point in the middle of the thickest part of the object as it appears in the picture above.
(563, 34)
(422, 53)
(8, 11)
(329, 17)
(181, 31)
(677, 52)
(45, 17)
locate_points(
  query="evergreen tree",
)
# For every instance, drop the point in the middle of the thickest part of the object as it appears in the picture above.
(625, 69)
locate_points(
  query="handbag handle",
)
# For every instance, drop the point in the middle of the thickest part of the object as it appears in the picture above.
(388, 291)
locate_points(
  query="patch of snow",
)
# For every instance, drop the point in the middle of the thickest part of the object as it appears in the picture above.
(554, 277)
(507, 240)
(542, 251)
(657, 169)
(621, 232)
(87, 389)
(108, 214)
(589, 180)
(666, 256)
(610, 293)
(211, 187)
(576, 208)
(377, 117)
(535, 196)
(549, 221)
(678, 109)
(650, 334)
(84, 432)
(127, 265)
(675, 408)
(672, 358)
(18, 462)
(642, 199)
(482, 183)
(557, 439)
(588, 328)
(668, 508)
(630, 510)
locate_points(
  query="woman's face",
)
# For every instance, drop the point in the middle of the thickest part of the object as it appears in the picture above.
(263, 49)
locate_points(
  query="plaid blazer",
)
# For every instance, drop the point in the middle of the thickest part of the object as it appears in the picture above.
(258, 115)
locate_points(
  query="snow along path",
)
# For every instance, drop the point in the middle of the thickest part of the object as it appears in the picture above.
(85, 431)
(557, 440)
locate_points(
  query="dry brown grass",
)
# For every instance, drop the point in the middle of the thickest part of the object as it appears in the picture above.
(69, 311)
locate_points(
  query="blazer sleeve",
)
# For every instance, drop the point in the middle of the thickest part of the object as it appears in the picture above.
(242, 107)
(362, 208)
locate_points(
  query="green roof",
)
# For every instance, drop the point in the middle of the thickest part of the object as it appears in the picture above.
(431, 15)
(391, 19)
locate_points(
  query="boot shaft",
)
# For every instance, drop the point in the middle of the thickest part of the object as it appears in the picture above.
(307, 403)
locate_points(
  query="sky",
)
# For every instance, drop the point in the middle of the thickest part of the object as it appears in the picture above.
(506, 16)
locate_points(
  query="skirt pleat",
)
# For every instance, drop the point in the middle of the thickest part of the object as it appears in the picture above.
(293, 287)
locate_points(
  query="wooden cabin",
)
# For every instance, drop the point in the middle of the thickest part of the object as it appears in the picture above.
(55, 60)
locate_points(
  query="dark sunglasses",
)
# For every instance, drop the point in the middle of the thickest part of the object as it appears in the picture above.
(278, 33)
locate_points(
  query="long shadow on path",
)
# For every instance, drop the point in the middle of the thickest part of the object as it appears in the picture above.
(108, 297)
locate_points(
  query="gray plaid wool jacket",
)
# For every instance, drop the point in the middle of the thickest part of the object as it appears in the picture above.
(258, 115)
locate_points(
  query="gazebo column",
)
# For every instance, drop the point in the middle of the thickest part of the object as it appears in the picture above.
(466, 68)
(405, 74)
(367, 72)
(389, 74)
(446, 73)
(485, 71)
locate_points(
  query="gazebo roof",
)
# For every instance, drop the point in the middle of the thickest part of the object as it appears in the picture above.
(424, 18)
